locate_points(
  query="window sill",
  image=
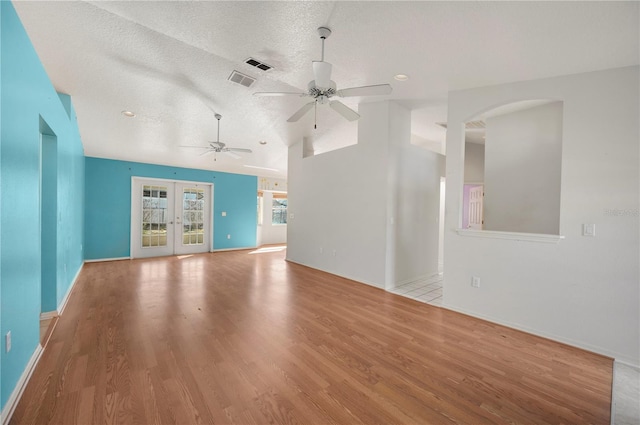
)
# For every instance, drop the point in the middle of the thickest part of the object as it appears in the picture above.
(493, 234)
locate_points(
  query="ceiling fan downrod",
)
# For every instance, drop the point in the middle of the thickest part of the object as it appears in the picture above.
(324, 33)
(218, 116)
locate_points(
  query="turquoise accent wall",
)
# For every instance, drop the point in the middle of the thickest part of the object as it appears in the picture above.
(108, 205)
(30, 104)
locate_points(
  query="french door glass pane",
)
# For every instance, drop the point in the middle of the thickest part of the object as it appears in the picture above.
(192, 216)
(154, 216)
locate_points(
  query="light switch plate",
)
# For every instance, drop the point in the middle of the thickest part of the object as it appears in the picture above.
(224, 213)
(588, 229)
(475, 281)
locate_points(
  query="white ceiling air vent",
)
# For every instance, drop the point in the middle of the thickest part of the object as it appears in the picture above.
(260, 65)
(471, 125)
(242, 79)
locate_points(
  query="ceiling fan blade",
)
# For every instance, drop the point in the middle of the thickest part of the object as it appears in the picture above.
(377, 90)
(232, 154)
(322, 74)
(197, 147)
(279, 93)
(344, 110)
(239, 150)
(219, 145)
(207, 152)
(301, 112)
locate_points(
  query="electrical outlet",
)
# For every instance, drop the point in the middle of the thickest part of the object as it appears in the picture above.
(292, 216)
(7, 339)
(224, 213)
(228, 236)
(321, 250)
(334, 252)
(475, 281)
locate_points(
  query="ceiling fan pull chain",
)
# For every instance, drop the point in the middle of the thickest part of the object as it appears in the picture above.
(315, 113)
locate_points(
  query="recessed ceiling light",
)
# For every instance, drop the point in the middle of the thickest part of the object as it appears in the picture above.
(263, 142)
(401, 77)
(260, 168)
(128, 114)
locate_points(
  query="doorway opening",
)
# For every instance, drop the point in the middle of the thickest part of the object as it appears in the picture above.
(441, 227)
(48, 228)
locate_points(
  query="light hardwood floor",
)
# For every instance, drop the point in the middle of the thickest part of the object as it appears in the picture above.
(234, 337)
(46, 329)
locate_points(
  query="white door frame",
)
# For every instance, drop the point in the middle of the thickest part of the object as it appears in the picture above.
(135, 222)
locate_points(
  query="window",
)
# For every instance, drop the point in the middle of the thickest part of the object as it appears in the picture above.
(279, 211)
(259, 209)
(154, 216)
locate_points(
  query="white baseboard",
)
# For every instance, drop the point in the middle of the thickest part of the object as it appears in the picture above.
(234, 249)
(100, 260)
(14, 398)
(357, 280)
(631, 365)
(558, 338)
(46, 315)
(63, 303)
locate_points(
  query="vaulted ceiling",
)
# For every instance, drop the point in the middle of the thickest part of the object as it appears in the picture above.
(169, 62)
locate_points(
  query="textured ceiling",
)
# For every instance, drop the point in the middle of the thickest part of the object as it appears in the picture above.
(169, 63)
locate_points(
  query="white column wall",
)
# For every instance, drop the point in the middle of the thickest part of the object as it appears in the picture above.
(386, 194)
(339, 203)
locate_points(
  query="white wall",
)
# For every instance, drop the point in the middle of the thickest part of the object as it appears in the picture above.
(338, 200)
(523, 151)
(375, 203)
(473, 163)
(582, 290)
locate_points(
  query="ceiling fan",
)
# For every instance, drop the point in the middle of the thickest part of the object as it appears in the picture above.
(323, 88)
(219, 147)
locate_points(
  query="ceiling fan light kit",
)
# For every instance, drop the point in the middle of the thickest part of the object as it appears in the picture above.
(322, 89)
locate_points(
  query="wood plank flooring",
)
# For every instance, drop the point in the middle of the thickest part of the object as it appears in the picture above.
(46, 329)
(241, 338)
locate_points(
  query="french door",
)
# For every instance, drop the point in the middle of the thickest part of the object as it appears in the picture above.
(170, 217)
